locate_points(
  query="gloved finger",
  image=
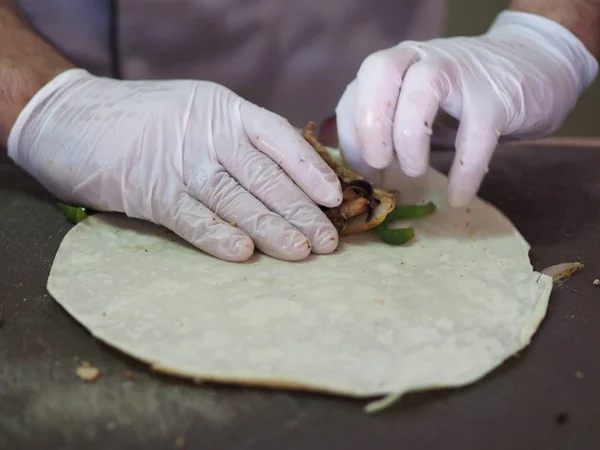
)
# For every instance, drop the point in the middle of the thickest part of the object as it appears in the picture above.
(476, 141)
(379, 81)
(266, 181)
(277, 138)
(271, 234)
(349, 143)
(423, 90)
(201, 227)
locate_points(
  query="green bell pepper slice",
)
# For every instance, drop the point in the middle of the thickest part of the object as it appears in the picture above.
(401, 236)
(74, 213)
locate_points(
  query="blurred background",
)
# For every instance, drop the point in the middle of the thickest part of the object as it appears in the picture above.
(468, 17)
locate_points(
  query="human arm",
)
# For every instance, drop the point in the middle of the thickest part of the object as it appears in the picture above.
(581, 17)
(521, 79)
(224, 174)
(27, 63)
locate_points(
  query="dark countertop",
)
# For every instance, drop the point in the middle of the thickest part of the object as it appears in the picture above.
(546, 398)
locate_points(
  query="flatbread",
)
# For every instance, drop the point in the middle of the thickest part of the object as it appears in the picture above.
(369, 320)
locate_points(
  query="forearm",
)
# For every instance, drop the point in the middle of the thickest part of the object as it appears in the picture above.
(581, 17)
(27, 63)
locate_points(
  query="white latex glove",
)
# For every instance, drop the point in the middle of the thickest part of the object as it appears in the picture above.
(189, 155)
(521, 79)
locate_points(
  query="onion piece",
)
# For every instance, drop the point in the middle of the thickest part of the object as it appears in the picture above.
(563, 271)
(328, 132)
(386, 200)
(360, 224)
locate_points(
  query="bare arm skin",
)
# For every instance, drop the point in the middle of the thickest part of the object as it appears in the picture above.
(27, 63)
(581, 17)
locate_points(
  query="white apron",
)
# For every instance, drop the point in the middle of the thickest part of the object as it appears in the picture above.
(292, 57)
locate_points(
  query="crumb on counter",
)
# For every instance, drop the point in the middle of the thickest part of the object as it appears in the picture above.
(87, 372)
(180, 441)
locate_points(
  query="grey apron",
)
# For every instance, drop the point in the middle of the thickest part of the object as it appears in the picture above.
(292, 57)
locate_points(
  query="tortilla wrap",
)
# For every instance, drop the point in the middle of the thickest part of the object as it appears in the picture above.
(369, 320)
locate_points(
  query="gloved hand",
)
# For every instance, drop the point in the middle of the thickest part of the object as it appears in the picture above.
(189, 155)
(521, 79)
